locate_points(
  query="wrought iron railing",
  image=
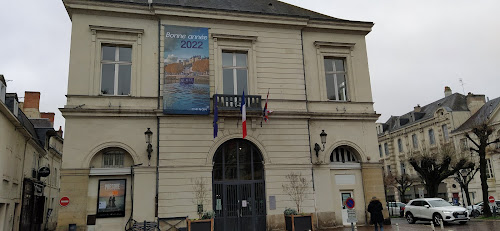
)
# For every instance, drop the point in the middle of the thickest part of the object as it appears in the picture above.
(233, 102)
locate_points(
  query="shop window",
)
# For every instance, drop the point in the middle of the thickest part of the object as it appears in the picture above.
(335, 74)
(234, 72)
(116, 70)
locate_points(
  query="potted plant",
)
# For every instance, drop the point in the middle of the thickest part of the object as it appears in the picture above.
(206, 223)
(296, 188)
(205, 220)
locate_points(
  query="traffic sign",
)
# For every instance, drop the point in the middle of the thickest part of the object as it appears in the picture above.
(349, 202)
(491, 199)
(64, 201)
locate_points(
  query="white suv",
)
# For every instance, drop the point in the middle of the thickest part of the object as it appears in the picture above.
(435, 209)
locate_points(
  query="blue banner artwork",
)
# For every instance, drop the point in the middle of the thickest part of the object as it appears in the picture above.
(186, 89)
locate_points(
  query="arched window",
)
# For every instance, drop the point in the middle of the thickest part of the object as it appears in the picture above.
(112, 158)
(344, 154)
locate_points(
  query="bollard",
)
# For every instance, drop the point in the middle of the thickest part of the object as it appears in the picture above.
(441, 224)
(355, 228)
(432, 226)
(397, 227)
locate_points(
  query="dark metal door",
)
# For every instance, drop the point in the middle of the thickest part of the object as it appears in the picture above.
(238, 188)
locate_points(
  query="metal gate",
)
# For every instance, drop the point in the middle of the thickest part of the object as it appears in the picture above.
(239, 198)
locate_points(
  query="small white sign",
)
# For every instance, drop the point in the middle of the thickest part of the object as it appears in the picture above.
(351, 216)
(219, 205)
(102, 204)
(244, 203)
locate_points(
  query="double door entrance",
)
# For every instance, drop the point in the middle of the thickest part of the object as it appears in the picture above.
(239, 199)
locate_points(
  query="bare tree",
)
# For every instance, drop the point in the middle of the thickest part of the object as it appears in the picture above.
(483, 133)
(296, 188)
(464, 177)
(200, 190)
(435, 165)
(402, 183)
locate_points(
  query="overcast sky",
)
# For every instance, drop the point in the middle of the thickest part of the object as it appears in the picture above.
(415, 49)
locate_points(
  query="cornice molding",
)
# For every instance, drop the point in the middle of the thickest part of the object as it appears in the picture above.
(116, 29)
(235, 37)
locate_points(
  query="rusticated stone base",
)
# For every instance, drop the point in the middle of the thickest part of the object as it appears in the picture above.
(326, 220)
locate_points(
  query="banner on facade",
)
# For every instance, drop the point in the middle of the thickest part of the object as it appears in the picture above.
(186, 88)
(111, 198)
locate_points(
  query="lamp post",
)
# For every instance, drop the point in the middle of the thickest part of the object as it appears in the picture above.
(148, 134)
(318, 148)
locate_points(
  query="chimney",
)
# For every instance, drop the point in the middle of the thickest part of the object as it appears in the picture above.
(31, 104)
(60, 132)
(417, 108)
(48, 115)
(447, 91)
(475, 102)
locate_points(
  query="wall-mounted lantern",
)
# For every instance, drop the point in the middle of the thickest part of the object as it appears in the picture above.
(148, 134)
(317, 148)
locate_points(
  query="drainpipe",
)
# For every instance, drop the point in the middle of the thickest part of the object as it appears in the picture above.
(158, 124)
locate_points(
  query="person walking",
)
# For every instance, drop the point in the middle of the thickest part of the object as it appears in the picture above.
(375, 209)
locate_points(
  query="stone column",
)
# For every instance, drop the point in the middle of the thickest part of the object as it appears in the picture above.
(74, 185)
(373, 186)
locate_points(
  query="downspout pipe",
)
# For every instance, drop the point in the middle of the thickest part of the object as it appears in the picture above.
(158, 124)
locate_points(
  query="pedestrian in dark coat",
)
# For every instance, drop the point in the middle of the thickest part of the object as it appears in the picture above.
(377, 218)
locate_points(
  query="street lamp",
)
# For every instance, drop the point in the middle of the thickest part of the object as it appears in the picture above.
(148, 134)
(317, 148)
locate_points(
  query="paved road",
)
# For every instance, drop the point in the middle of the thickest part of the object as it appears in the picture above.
(473, 225)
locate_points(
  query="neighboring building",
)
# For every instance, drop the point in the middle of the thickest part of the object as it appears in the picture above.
(126, 79)
(426, 127)
(27, 145)
(488, 114)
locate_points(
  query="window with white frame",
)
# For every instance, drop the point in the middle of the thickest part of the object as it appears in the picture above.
(343, 154)
(386, 148)
(116, 70)
(432, 139)
(234, 72)
(445, 132)
(113, 159)
(335, 73)
(463, 144)
(380, 150)
(400, 145)
(489, 169)
(415, 140)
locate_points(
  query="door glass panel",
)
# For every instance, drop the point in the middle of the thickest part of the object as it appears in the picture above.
(245, 162)
(258, 168)
(344, 198)
(230, 164)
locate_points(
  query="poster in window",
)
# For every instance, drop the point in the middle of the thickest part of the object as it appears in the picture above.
(111, 198)
(186, 87)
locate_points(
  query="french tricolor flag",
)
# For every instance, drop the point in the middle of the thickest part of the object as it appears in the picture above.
(243, 115)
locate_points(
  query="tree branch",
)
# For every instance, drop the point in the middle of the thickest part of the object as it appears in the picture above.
(468, 137)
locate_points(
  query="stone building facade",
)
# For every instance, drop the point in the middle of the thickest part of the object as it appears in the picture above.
(426, 127)
(28, 145)
(314, 67)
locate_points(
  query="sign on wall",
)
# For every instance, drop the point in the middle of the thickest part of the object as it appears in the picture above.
(186, 89)
(111, 198)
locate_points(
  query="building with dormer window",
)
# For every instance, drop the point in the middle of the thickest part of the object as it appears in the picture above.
(180, 72)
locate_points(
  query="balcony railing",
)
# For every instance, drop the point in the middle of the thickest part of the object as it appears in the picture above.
(233, 102)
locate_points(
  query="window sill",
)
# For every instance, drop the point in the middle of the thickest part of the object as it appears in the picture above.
(104, 95)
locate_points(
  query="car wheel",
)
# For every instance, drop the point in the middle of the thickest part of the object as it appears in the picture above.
(462, 222)
(436, 219)
(410, 218)
(475, 213)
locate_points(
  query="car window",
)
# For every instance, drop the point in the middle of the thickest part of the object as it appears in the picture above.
(424, 203)
(439, 203)
(416, 203)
